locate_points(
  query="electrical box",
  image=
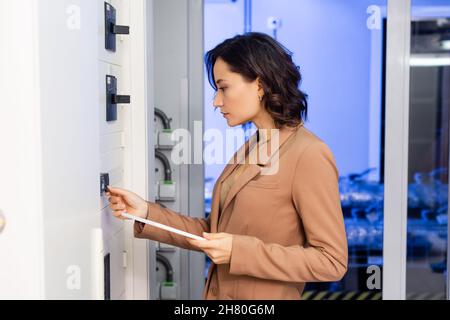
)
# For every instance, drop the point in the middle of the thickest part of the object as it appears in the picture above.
(168, 290)
(166, 190)
(165, 141)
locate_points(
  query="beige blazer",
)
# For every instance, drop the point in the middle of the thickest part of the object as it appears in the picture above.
(288, 227)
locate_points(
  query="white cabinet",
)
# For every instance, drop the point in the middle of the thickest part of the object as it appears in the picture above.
(56, 142)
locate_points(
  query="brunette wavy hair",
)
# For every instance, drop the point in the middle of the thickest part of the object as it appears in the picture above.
(254, 55)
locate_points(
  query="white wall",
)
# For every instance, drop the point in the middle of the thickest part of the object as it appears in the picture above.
(70, 153)
(50, 158)
(20, 183)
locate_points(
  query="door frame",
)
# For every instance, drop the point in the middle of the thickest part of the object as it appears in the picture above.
(400, 14)
(396, 149)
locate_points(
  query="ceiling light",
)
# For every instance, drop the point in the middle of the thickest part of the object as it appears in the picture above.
(423, 60)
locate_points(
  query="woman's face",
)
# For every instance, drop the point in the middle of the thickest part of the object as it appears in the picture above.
(237, 99)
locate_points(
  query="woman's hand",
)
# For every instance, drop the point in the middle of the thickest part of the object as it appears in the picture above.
(217, 246)
(121, 200)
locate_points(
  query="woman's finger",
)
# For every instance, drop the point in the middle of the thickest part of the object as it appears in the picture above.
(113, 199)
(119, 206)
(209, 244)
(118, 214)
(202, 244)
(118, 191)
(193, 242)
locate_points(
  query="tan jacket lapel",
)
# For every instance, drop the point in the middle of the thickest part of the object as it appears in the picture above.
(225, 173)
(252, 169)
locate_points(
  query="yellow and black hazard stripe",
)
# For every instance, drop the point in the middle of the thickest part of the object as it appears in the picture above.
(367, 295)
(425, 296)
(341, 295)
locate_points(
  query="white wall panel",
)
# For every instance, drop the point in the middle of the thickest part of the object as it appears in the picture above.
(111, 141)
(114, 246)
(110, 225)
(20, 183)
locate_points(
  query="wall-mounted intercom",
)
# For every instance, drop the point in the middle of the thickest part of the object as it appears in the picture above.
(112, 98)
(111, 29)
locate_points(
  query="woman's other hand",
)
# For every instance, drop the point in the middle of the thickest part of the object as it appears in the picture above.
(121, 200)
(217, 246)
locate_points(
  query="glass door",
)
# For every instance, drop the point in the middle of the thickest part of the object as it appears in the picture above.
(428, 151)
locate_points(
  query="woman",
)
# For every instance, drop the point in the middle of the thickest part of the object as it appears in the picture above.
(276, 222)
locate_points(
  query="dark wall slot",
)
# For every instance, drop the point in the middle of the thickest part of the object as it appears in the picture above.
(107, 277)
